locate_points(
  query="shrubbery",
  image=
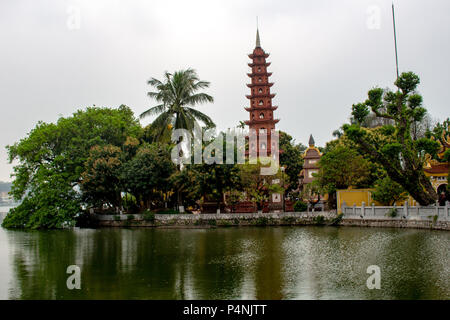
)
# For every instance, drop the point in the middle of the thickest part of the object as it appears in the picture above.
(300, 206)
(148, 216)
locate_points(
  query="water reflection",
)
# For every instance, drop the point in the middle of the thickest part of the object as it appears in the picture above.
(231, 263)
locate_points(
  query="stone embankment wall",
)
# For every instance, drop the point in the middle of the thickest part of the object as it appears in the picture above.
(269, 219)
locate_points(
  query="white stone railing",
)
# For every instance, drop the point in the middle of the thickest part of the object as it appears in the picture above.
(223, 216)
(442, 213)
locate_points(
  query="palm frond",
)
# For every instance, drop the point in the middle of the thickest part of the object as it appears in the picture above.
(198, 98)
(153, 111)
(198, 115)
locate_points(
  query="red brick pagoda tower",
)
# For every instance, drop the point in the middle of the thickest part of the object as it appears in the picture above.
(261, 109)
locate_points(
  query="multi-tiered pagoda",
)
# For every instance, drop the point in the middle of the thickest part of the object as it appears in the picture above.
(261, 109)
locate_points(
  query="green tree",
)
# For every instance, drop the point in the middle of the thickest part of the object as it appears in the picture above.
(291, 159)
(177, 95)
(146, 175)
(392, 146)
(341, 168)
(100, 182)
(52, 158)
(258, 187)
(388, 192)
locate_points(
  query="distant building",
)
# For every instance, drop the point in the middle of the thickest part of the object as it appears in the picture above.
(311, 158)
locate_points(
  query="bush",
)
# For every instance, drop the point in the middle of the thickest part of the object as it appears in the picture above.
(392, 213)
(130, 217)
(300, 206)
(337, 220)
(169, 211)
(116, 217)
(288, 220)
(319, 220)
(212, 222)
(148, 216)
(261, 221)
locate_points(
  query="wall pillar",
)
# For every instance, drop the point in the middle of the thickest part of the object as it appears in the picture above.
(405, 209)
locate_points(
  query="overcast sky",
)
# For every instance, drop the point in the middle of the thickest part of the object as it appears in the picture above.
(59, 56)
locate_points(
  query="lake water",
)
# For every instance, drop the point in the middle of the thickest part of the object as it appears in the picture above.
(225, 263)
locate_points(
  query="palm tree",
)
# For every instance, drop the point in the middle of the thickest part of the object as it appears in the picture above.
(177, 96)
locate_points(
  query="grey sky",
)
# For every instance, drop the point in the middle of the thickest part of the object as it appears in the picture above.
(324, 57)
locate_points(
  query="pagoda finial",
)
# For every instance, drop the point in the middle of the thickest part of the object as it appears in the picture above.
(311, 141)
(258, 42)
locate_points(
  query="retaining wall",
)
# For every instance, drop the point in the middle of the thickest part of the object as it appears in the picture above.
(285, 218)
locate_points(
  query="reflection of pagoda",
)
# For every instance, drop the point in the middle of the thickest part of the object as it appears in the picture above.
(261, 109)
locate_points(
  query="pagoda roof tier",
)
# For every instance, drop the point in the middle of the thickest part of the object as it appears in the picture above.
(259, 64)
(255, 121)
(261, 95)
(259, 74)
(437, 167)
(261, 108)
(253, 55)
(269, 84)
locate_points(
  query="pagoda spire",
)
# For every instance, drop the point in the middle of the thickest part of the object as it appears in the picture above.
(261, 118)
(258, 42)
(311, 141)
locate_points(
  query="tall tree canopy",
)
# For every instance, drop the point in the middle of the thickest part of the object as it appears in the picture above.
(177, 96)
(393, 146)
(51, 160)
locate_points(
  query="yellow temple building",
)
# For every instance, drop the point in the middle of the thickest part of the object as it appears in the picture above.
(437, 171)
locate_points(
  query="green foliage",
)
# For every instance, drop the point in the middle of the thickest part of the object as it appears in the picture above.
(148, 216)
(117, 217)
(393, 146)
(388, 192)
(129, 202)
(51, 160)
(176, 95)
(53, 204)
(291, 159)
(435, 218)
(212, 222)
(288, 220)
(342, 167)
(319, 220)
(337, 220)
(392, 213)
(360, 112)
(261, 221)
(300, 206)
(146, 175)
(258, 187)
(100, 181)
(130, 217)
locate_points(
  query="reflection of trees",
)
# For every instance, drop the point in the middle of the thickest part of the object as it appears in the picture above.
(268, 279)
(217, 265)
(38, 263)
(410, 266)
(231, 263)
